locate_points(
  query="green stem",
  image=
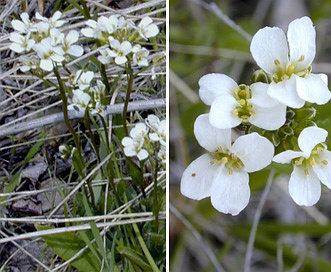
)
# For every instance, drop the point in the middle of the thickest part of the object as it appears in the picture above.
(65, 109)
(130, 77)
(145, 249)
(156, 204)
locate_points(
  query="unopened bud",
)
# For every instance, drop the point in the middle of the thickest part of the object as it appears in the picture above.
(260, 76)
(305, 113)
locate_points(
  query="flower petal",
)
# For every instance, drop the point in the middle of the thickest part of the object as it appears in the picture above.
(255, 151)
(313, 89)
(260, 96)
(301, 37)
(46, 64)
(230, 192)
(323, 171)
(214, 85)
(286, 93)
(210, 137)
(304, 189)
(287, 156)
(310, 137)
(75, 50)
(270, 44)
(221, 112)
(198, 178)
(126, 141)
(142, 154)
(269, 118)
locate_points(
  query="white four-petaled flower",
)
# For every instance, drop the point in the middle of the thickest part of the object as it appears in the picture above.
(232, 104)
(134, 145)
(288, 62)
(147, 28)
(48, 54)
(119, 51)
(222, 173)
(311, 166)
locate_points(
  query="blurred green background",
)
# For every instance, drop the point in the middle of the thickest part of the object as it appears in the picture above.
(289, 237)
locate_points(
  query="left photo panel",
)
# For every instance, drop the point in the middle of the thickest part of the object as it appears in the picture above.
(83, 135)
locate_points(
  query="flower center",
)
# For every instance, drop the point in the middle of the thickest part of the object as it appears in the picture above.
(313, 159)
(245, 109)
(285, 73)
(230, 160)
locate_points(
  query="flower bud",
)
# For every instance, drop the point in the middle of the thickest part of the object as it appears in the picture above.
(260, 76)
(305, 113)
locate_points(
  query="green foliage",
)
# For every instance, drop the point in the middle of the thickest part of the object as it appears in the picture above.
(68, 244)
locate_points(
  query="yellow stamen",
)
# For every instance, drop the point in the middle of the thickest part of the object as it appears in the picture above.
(277, 62)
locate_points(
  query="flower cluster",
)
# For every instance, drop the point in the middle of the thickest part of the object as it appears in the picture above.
(273, 115)
(120, 38)
(43, 38)
(147, 139)
(85, 94)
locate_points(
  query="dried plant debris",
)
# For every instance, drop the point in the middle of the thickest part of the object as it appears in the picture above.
(76, 78)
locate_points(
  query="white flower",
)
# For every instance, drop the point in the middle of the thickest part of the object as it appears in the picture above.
(25, 26)
(119, 51)
(56, 36)
(140, 55)
(68, 44)
(133, 145)
(48, 54)
(289, 64)
(125, 24)
(104, 25)
(162, 154)
(28, 63)
(92, 31)
(80, 100)
(231, 104)
(147, 29)
(105, 57)
(108, 25)
(222, 174)
(53, 21)
(20, 43)
(311, 166)
(43, 29)
(158, 129)
(83, 79)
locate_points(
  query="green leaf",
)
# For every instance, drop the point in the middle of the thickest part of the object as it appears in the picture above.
(135, 257)
(66, 245)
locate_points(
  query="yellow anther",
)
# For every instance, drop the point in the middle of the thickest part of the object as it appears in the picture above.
(224, 160)
(277, 62)
(290, 68)
(242, 102)
(312, 162)
(235, 112)
(298, 161)
(306, 171)
(251, 112)
(301, 58)
(325, 162)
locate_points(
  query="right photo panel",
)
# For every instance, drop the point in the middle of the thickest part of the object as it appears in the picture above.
(250, 123)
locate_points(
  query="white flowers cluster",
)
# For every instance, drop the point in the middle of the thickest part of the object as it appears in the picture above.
(120, 38)
(85, 94)
(50, 45)
(274, 113)
(147, 139)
